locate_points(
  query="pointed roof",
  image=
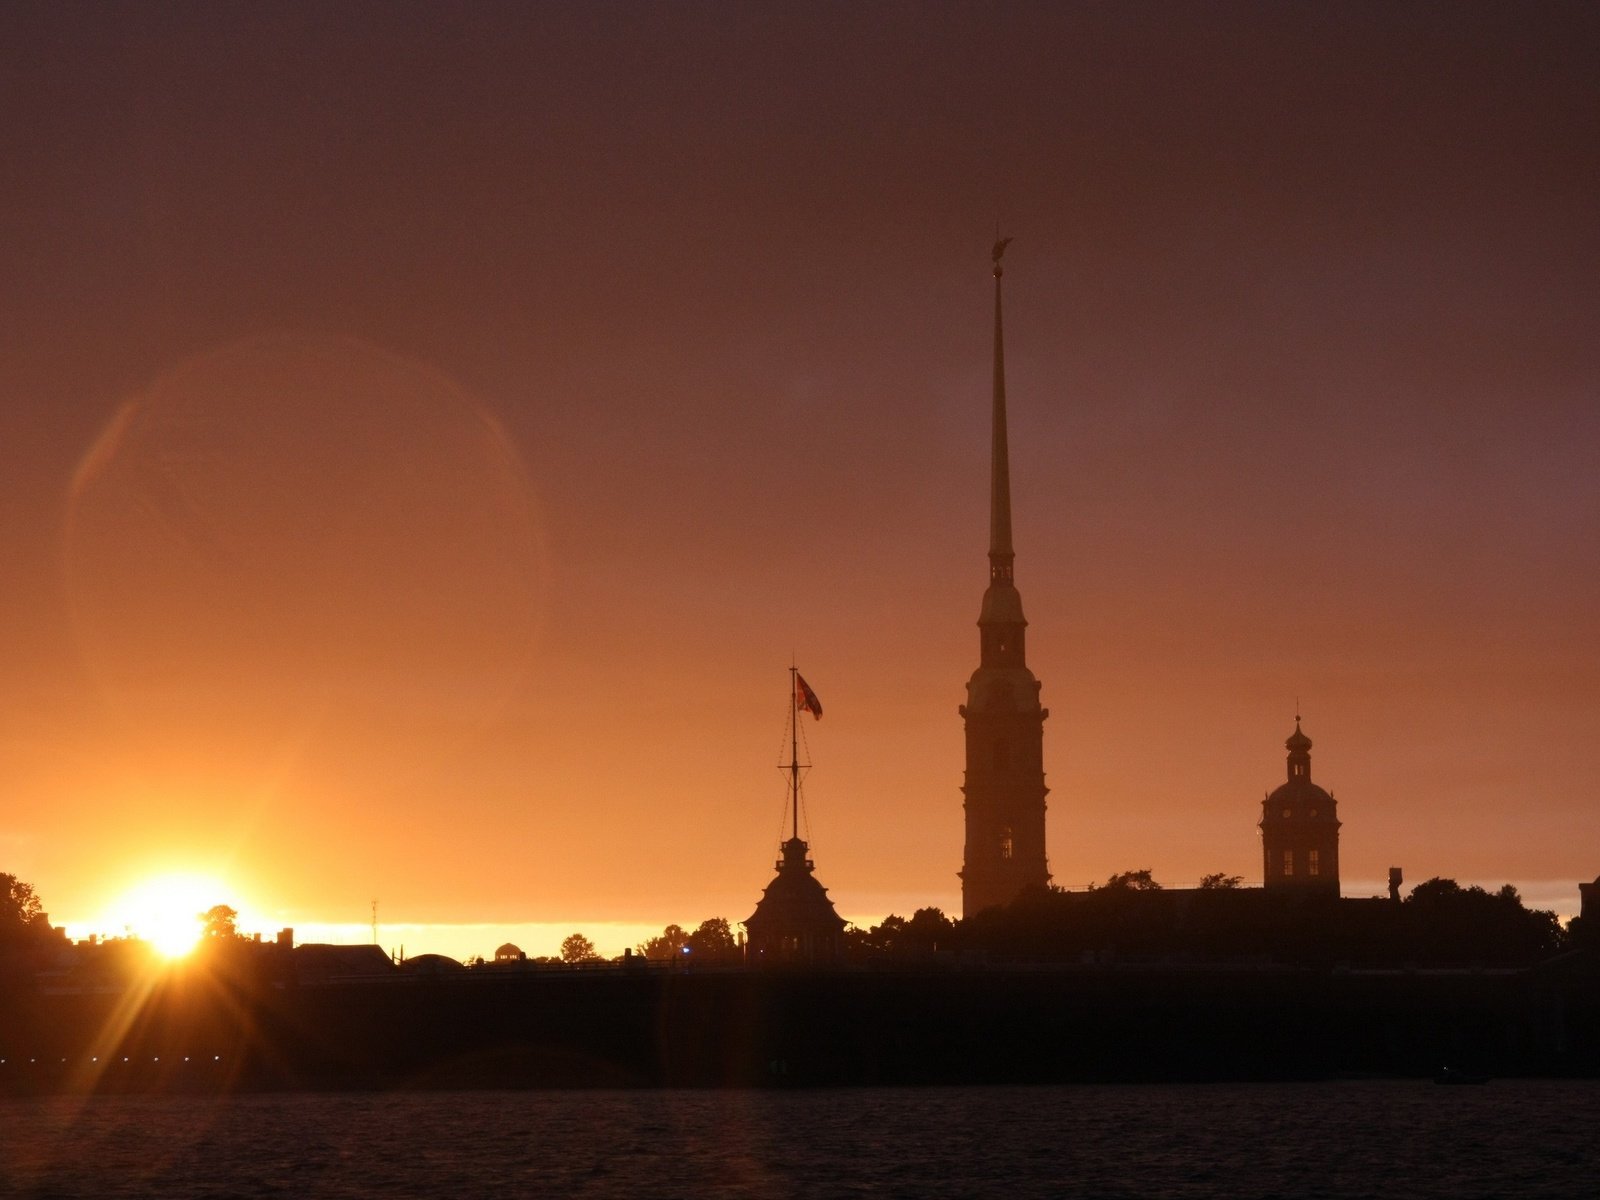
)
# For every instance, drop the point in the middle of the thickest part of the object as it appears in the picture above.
(794, 920)
(1000, 549)
(1002, 603)
(795, 901)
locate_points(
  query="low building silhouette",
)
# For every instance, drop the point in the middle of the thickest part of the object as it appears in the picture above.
(321, 962)
(432, 964)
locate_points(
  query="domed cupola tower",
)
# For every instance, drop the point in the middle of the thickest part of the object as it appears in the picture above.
(1004, 785)
(1300, 828)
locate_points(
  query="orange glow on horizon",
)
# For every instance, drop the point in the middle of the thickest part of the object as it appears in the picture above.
(425, 502)
(167, 910)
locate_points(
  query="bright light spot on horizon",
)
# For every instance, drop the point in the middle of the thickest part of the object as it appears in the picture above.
(166, 911)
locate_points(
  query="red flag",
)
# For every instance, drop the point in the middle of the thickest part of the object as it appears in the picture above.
(805, 700)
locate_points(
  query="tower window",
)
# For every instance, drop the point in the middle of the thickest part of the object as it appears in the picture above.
(1288, 863)
(1002, 755)
(1311, 863)
(1287, 813)
(1005, 843)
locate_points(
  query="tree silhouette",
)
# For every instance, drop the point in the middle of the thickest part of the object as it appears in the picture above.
(578, 949)
(219, 923)
(1132, 881)
(1445, 922)
(1440, 924)
(858, 945)
(713, 941)
(928, 929)
(888, 934)
(21, 914)
(896, 937)
(666, 945)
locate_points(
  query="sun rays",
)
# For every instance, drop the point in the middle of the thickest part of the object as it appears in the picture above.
(166, 911)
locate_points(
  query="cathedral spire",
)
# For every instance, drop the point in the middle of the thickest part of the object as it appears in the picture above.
(1001, 620)
(1004, 786)
(1001, 554)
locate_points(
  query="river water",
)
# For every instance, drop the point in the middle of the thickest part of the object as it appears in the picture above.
(1395, 1139)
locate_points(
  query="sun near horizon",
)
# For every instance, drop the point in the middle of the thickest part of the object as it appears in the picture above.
(167, 911)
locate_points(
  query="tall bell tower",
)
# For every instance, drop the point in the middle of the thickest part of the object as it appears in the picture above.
(1004, 785)
(1300, 828)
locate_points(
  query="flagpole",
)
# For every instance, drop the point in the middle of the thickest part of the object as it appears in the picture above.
(794, 746)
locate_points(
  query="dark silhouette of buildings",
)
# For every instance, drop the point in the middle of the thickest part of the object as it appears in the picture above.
(316, 962)
(1004, 782)
(794, 921)
(1300, 829)
(1587, 924)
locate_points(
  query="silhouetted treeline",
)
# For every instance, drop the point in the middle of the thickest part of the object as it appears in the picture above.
(712, 941)
(1132, 919)
(928, 932)
(1217, 982)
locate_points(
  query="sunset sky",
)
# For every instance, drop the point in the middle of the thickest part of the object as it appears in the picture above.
(428, 432)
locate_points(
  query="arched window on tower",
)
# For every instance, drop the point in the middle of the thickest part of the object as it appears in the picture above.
(1288, 863)
(1312, 865)
(1005, 842)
